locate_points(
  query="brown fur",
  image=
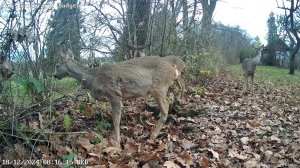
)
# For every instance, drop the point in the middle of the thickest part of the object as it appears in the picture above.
(177, 63)
(179, 66)
(121, 81)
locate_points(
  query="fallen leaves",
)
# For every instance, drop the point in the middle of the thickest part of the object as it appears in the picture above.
(230, 129)
(185, 159)
(170, 164)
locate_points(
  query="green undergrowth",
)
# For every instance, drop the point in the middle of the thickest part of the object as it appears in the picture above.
(19, 90)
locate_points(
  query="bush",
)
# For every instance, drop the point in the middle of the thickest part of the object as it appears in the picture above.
(203, 66)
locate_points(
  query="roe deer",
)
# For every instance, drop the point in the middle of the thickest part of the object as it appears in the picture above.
(6, 68)
(249, 65)
(121, 81)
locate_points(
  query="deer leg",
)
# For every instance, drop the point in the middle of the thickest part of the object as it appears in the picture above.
(246, 82)
(252, 76)
(116, 116)
(163, 104)
(181, 87)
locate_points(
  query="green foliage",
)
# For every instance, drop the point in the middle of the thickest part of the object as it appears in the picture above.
(204, 65)
(69, 85)
(67, 160)
(257, 43)
(272, 39)
(23, 89)
(272, 28)
(81, 107)
(95, 140)
(198, 89)
(67, 121)
(30, 83)
(103, 125)
(22, 126)
(37, 85)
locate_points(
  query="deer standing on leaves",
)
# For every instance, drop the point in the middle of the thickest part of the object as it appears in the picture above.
(249, 66)
(133, 78)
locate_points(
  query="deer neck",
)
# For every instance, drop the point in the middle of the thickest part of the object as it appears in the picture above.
(77, 71)
(257, 57)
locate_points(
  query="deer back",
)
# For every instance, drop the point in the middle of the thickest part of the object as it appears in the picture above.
(132, 78)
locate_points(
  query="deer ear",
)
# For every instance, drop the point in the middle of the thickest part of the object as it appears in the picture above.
(63, 48)
(65, 53)
(70, 54)
(2, 58)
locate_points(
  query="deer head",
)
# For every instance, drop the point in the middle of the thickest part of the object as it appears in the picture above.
(138, 51)
(6, 68)
(259, 49)
(65, 56)
(258, 54)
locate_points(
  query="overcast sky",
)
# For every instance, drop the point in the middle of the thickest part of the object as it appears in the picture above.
(250, 15)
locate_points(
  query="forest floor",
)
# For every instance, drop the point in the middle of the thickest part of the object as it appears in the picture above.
(228, 128)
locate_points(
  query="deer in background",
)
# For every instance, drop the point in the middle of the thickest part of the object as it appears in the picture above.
(6, 68)
(249, 65)
(121, 81)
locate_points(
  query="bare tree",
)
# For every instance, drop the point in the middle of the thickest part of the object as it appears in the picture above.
(138, 13)
(208, 7)
(188, 22)
(292, 28)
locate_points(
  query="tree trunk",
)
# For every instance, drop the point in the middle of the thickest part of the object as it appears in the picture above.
(139, 13)
(185, 22)
(293, 58)
(162, 52)
(293, 31)
(173, 37)
(208, 7)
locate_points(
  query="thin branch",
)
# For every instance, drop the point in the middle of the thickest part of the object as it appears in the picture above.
(111, 27)
(35, 12)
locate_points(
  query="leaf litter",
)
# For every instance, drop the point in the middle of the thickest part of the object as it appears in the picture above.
(231, 128)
